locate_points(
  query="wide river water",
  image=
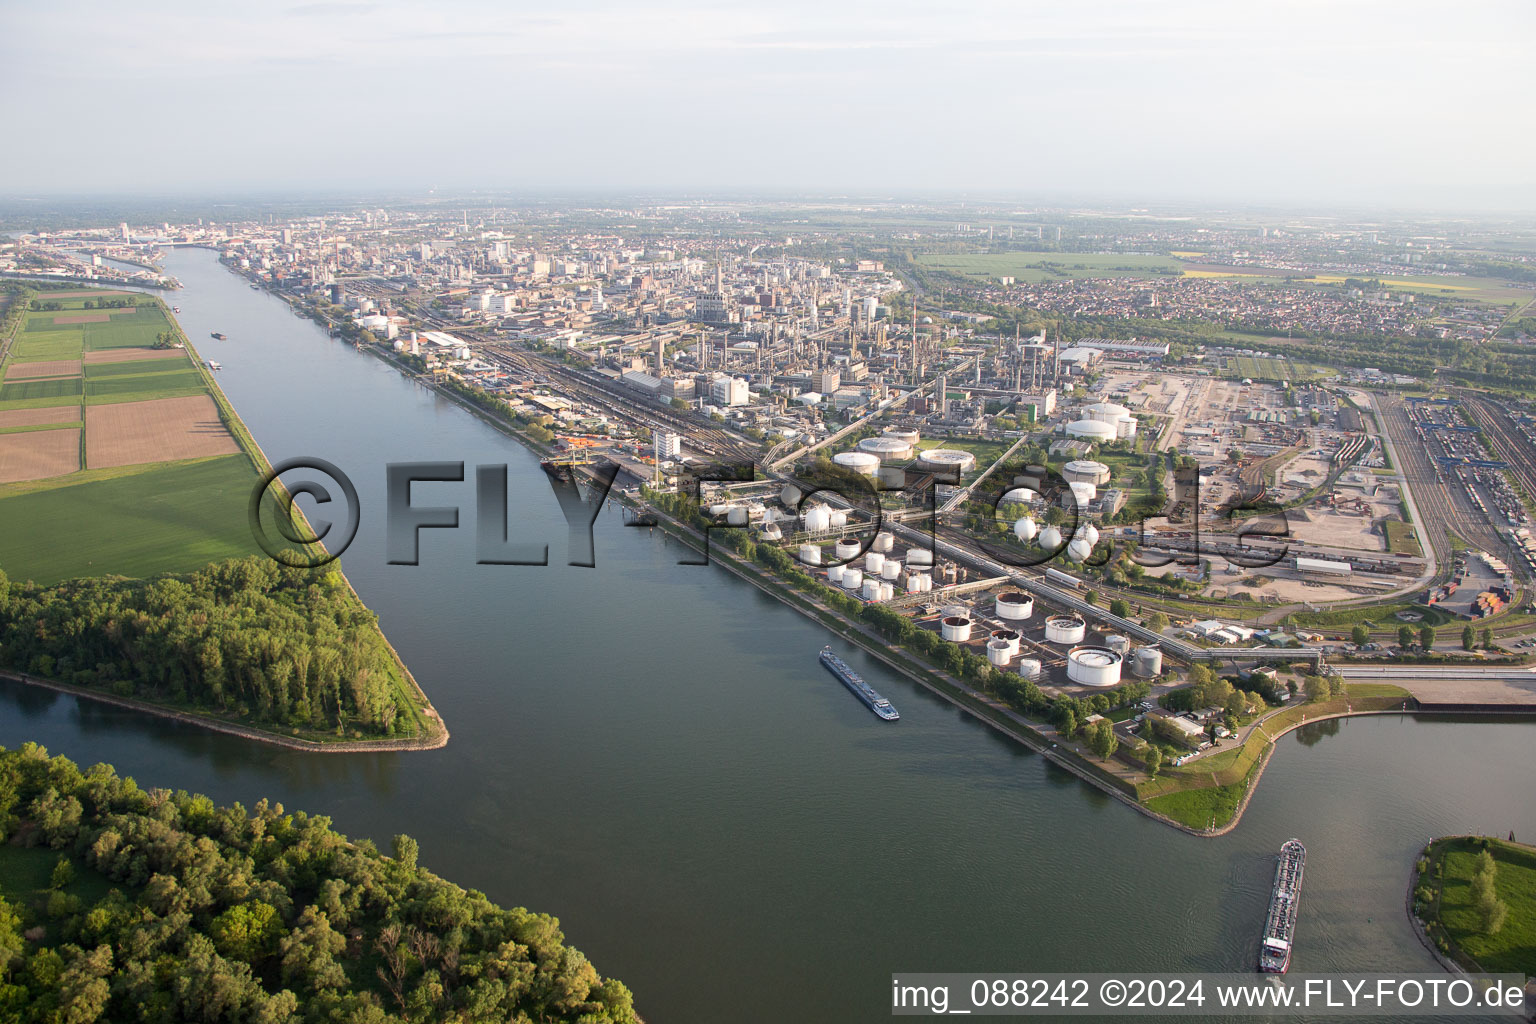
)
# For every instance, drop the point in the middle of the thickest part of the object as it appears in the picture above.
(650, 752)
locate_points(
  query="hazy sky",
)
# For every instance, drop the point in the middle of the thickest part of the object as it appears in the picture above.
(1232, 99)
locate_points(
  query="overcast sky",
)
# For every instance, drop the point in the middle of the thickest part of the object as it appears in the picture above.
(1308, 100)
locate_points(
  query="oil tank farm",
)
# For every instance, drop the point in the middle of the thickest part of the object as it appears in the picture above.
(1086, 471)
(860, 462)
(947, 460)
(1094, 666)
(887, 449)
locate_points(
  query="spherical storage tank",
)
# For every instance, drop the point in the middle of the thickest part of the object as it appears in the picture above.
(886, 449)
(772, 532)
(1094, 666)
(1091, 430)
(1065, 629)
(860, 462)
(1147, 662)
(1014, 606)
(818, 519)
(1025, 529)
(837, 519)
(810, 554)
(789, 495)
(1089, 533)
(956, 628)
(1079, 549)
(1050, 538)
(737, 516)
(1086, 471)
(948, 459)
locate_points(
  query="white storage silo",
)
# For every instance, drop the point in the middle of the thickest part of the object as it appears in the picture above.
(1065, 629)
(1014, 606)
(883, 542)
(874, 561)
(835, 574)
(1093, 666)
(847, 549)
(998, 653)
(1089, 533)
(852, 578)
(919, 557)
(871, 589)
(956, 628)
(890, 569)
(810, 554)
(1147, 662)
(1029, 668)
(887, 591)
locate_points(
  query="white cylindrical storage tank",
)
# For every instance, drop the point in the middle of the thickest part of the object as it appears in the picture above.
(998, 653)
(887, 591)
(915, 583)
(1029, 668)
(871, 589)
(1118, 642)
(956, 609)
(719, 509)
(956, 628)
(1065, 629)
(892, 478)
(1093, 666)
(886, 449)
(1086, 471)
(927, 583)
(1147, 662)
(1083, 494)
(847, 549)
(810, 554)
(909, 437)
(835, 574)
(1014, 606)
(874, 561)
(883, 542)
(852, 578)
(1009, 638)
(1096, 431)
(1025, 494)
(918, 557)
(1125, 430)
(1050, 538)
(1025, 529)
(947, 460)
(890, 569)
(737, 516)
(1107, 412)
(859, 462)
(1079, 550)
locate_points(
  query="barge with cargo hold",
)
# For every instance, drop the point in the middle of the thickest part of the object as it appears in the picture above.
(1280, 923)
(862, 690)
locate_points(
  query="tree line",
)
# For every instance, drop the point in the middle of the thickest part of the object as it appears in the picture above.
(247, 638)
(207, 913)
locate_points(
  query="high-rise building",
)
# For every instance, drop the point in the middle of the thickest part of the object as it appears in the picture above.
(668, 446)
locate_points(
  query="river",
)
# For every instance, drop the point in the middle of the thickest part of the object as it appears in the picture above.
(650, 752)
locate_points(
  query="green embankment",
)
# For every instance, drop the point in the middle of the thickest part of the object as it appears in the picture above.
(1444, 903)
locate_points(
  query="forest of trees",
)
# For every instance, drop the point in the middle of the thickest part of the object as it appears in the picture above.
(246, 638)
(161, 906)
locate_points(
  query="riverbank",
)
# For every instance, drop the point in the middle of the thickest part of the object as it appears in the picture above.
(1442, 911)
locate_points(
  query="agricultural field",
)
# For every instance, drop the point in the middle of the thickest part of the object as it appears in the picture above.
(1036, 267)
(133, 521)
(114, 456)
(1469, 289)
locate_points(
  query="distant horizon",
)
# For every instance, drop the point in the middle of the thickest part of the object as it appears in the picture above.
(1307, 104)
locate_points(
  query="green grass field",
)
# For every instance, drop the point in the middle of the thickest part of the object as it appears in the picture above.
(53, 388)
(1036, 267)
(1401, 538)
(145, 386)
(64, 344)
(135, 367)
(1513, 948)
(136, 521)
(26, 871)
